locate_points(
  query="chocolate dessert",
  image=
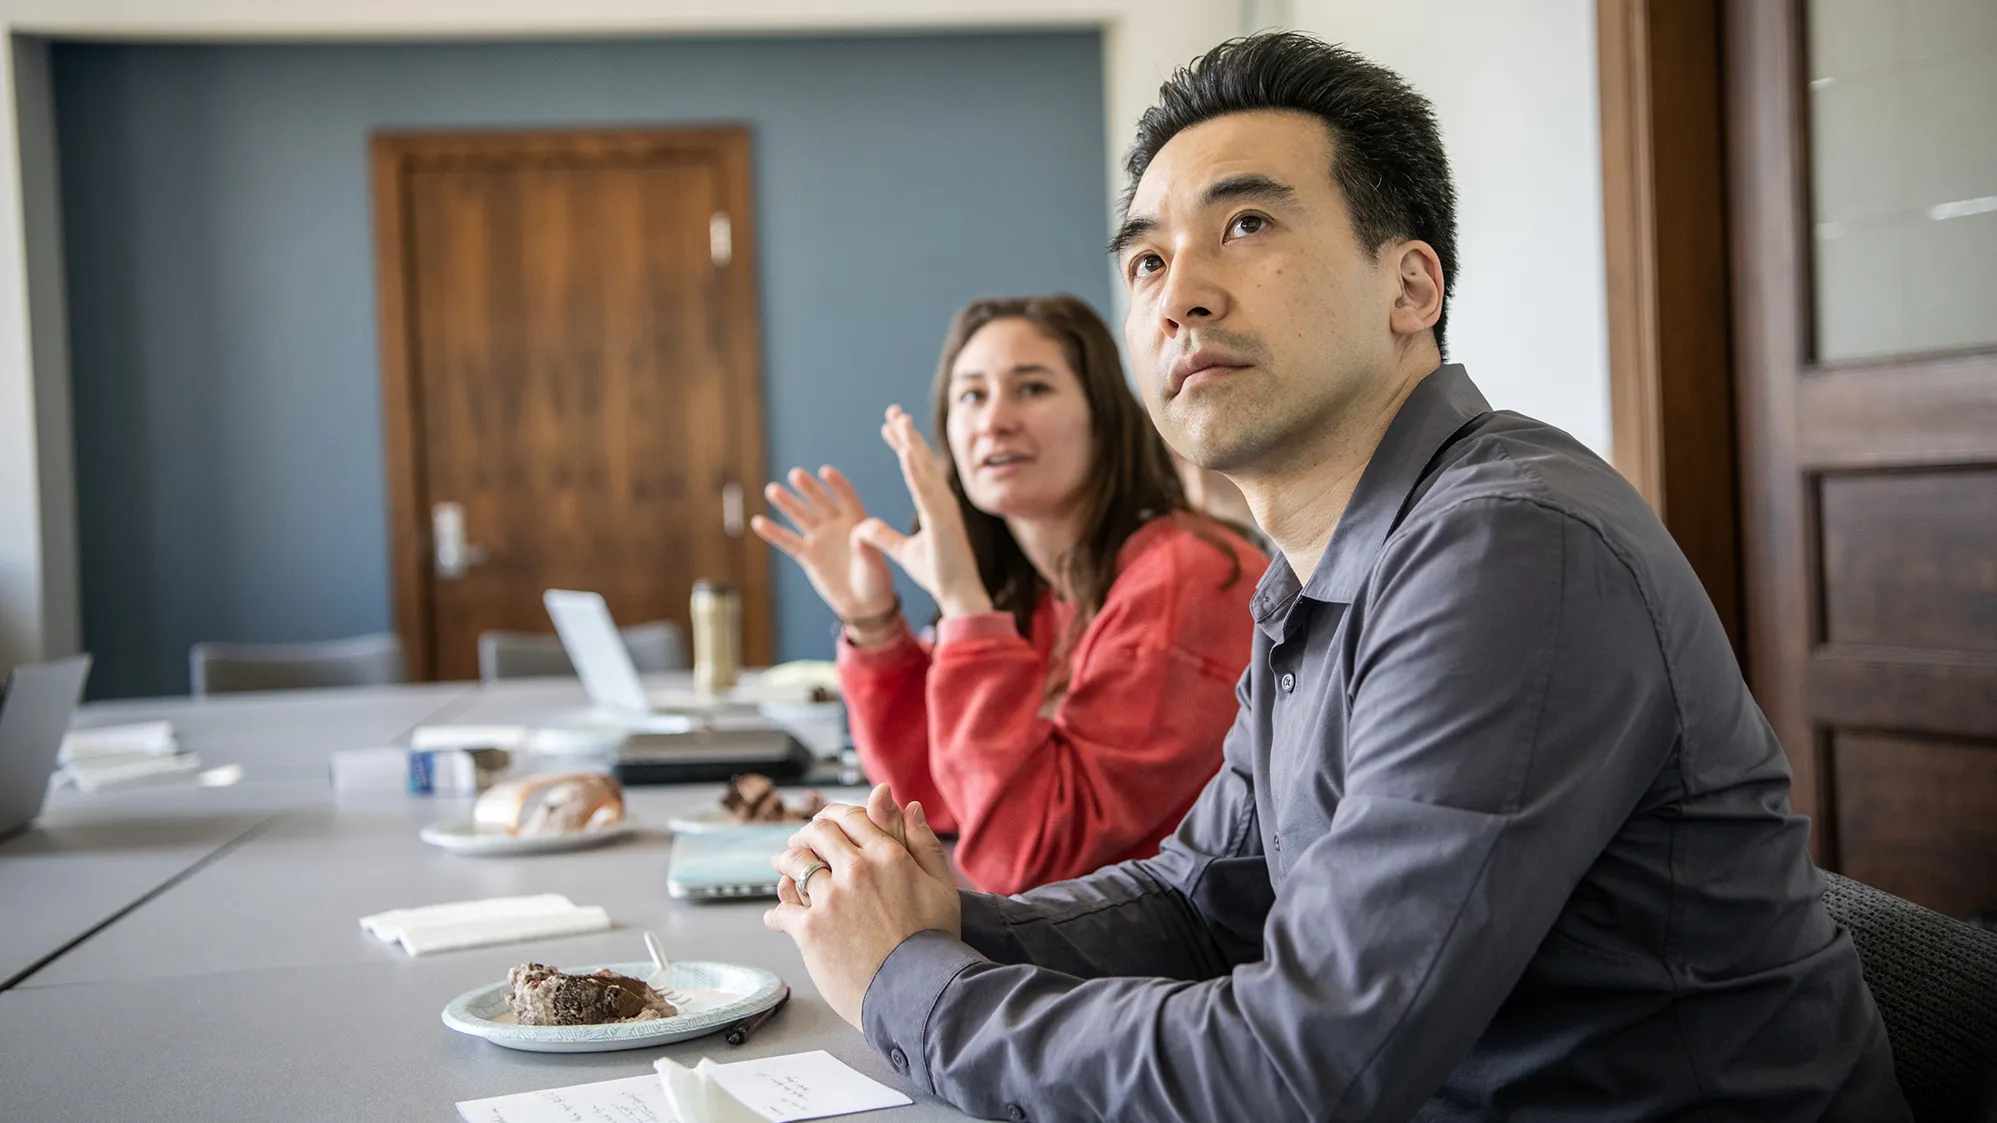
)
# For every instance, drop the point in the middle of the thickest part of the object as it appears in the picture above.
(543, 996)
(753, 798)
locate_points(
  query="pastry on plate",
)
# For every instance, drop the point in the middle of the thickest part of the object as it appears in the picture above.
(753, 798)
(554, 803)
(543, 996)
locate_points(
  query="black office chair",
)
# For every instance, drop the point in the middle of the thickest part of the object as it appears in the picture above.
(1935, 980)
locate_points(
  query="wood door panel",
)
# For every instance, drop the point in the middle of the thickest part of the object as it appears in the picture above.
(1910, 559)
(571, 370)
(1929, 410)
(1943, 693)
(1918, 818)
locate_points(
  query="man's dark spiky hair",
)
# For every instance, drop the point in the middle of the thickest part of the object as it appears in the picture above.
(1387, 155)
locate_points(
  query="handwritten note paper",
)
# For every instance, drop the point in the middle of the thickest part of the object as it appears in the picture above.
(637, 1099)
(804, 1086)
(781, 1089)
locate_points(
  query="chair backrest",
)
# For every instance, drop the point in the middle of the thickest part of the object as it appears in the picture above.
(1935, 980)
(654, 647)
(220, 668)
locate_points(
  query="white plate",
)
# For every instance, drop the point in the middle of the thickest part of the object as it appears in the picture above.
(737, 992)
(717, 819)
(466, 838)
(702, 821)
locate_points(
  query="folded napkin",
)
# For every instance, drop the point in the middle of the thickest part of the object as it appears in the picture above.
(140, 738)
(91, 773)
(469, 736)
(783, 1089)
(550, 740)
(495, 920)
(697, 1097)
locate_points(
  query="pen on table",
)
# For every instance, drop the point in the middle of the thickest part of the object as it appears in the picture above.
(741, 1030)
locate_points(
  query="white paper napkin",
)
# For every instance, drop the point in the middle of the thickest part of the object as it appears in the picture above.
(149, 738)
(783, 1089)
(468, 737)
(91, 773)
(697, 1097)
(494, 920)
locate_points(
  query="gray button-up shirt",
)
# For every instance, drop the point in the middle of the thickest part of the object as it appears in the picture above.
(1500, 834)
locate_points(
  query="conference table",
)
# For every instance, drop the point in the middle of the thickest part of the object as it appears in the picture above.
(177, 952)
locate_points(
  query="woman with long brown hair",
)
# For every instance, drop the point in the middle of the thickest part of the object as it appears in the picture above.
(1092, 626)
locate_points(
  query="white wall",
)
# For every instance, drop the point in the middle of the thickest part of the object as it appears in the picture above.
(1514, 83)
(25, 572)
(55, 468)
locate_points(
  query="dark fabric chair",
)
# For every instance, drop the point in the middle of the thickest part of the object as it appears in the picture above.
(222, 668)
(654, 647)
(1935, 980)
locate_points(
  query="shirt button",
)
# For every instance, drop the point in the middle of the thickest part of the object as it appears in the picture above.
(1289, 682)
(898, 1059)
(1015, 1113)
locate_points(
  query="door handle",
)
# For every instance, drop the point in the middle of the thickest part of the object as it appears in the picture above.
(731, 509)
(447, 532)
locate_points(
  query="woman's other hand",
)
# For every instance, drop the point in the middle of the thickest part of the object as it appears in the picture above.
(938, 557)
(851, 576)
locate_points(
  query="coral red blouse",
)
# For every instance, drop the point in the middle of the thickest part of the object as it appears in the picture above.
(1039, 793)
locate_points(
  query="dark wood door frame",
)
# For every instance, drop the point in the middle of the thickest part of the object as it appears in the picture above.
(394, 157)
(1664, 209)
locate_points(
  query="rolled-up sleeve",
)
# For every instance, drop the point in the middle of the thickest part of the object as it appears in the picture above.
(1505, 695)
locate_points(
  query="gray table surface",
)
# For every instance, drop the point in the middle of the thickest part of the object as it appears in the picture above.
(89, 857)
(288, 734)
(233, 981)
(83, 865)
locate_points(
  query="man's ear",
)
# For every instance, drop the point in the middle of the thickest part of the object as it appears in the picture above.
(1418, 304)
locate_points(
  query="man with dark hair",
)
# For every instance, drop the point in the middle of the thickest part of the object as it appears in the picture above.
(1500, 833)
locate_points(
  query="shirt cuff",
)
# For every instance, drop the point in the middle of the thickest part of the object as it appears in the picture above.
(985, 929)
(881, 654)
(976, 625)
(899, 1002)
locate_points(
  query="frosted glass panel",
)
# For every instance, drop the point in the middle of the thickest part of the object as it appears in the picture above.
(1903, 175)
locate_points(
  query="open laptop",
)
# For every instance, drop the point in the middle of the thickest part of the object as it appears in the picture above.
(731, 862)
(34, 714)
(601, 660)
(667, 744)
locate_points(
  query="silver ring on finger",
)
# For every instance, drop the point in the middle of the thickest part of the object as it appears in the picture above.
(804, 881)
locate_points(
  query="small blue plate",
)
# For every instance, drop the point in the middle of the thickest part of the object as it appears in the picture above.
(729, 993)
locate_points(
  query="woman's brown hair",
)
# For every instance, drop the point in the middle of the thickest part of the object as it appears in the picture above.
(1130, 482)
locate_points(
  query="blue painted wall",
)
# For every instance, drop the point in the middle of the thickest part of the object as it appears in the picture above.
(220, 272)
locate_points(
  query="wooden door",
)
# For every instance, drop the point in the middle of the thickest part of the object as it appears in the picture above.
(570, 378)
(1869, 444)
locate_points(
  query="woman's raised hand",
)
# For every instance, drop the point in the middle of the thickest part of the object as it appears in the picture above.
(938, 556)
(850, 575)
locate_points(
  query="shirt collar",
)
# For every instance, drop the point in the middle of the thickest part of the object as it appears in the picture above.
(1438, 406)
